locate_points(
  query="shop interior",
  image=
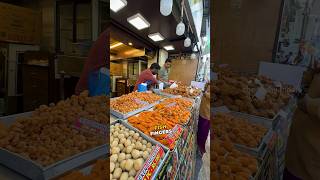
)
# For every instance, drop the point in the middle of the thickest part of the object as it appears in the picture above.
(43, 57)
(133, 50)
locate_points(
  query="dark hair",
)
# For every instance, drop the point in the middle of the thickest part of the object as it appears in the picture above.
(168, 60)
(155, 66)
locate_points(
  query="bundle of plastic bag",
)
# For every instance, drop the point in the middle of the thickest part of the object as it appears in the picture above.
(204, 173)
(99, 82)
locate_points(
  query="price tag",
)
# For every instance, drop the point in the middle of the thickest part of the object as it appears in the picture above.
(221, 109)
(261, 93)
(151, 164)
(174, 135)
(91, 127)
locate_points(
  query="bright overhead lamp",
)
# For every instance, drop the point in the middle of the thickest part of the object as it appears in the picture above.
(187, 42)
(130, 43)
(138, 21)
(116, 5)
(156, 37)
(166, 7)
(169, 48)
(116, 45)
(180, 28)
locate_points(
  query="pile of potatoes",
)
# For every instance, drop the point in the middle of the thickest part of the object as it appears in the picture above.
(129, 151)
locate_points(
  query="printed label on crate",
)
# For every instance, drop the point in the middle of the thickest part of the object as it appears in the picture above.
(160, 130)
(151, 164)
(91, 126)
(174, 135)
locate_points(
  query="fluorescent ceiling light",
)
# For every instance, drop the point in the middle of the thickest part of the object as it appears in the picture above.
(138, 21)
(116, 5)
(156, 37)
(116, 45)
(168, 48)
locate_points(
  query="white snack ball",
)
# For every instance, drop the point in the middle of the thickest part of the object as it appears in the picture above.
(116, 139)
(114, 143)
(117, 165)
(123, 140)
(115, 150)
(131, 178)
(149, 145)
(132, 172)
(129, 149)
(129, 164)
(128, 156)
(135, 154)
(110, 176)
(127, 143)
(140, 139)
(144, 142)
(112, 166)
(123, 164)
(138, 145)
(131, 132)
(149, 150)
(137, 164)
(116, 133)
(124, 176)
(145, 155)
(111, 138)
(136, 136)
(120, 136)
(121, 146)
(117, 173)
(144, 147)
(114, 157)
(122, 156)
(126, 134)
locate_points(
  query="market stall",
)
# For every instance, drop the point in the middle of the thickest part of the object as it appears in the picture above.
(252, 116)
(167, 121)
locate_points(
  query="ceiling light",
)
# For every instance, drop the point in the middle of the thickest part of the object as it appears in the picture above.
(156, 37)
(168, 48)
(187, 42)
(116, 45)
(138, 21)
(130, 43)
(116, 5)
(166, 7)
(180, 29)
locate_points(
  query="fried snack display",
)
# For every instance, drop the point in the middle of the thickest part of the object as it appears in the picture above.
(238, 93)
(48, 136)
(229, 163)
(166, 117)
(128, 152)
(132, 101)
(183, 90)
(181, 102)
(99, 171)
(239, 131)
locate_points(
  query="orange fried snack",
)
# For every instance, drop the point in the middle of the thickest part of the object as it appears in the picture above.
(132, 101)
(167, 117)
(183, 90)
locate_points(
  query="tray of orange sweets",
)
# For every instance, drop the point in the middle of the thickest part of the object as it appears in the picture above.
(130, 104)
(185, 103)
(158, 123)
(247, 136)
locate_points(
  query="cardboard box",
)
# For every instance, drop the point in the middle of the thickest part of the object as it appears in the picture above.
(19, 24)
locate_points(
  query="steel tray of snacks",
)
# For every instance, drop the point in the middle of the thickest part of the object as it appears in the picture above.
(34, 170)
(152, 141)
